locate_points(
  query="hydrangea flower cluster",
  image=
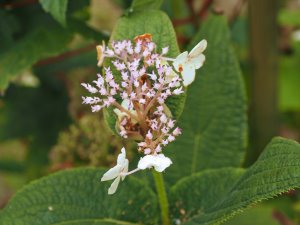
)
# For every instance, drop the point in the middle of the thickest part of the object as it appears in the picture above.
(136, 84)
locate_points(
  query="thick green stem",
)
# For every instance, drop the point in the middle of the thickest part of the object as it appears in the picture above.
(162, 197)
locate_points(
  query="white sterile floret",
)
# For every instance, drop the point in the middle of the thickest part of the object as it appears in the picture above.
(159, 162)
(186, 63)
(118, 172)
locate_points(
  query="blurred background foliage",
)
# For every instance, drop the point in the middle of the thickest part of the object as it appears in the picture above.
(47, 48)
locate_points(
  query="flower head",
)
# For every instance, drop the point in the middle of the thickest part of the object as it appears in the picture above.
(136, 86)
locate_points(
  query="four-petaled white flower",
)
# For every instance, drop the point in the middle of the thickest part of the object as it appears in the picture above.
(159, 162)
(186, 63)
(118, 172)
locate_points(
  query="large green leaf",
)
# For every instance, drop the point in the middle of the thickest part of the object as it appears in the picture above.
(39, 44)
(57, 8)
(159, 25)
(154, 22)
(276, 171)
(214, 119)
(78, 197)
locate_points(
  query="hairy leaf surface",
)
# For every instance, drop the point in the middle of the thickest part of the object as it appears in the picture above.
(214, 119)
(193, 195)
(276, 171)
(78, 197)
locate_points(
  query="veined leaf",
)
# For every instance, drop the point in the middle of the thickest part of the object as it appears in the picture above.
(195, 194)
(159, 25)
(214, 119)
(78, 197)
(39, 44)
(154, 22)
(276, 171)
(57, 8)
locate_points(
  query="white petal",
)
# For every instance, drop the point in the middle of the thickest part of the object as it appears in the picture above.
(180, 60)
(112, 173)
(122, 158)
(188, 75)
(113, 187)
(145, 162)
(159, 162)
(125, 168)
(197, 62)
(162, 162)
(198, 49)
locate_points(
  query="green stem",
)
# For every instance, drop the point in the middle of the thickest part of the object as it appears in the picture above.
(162, 197)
